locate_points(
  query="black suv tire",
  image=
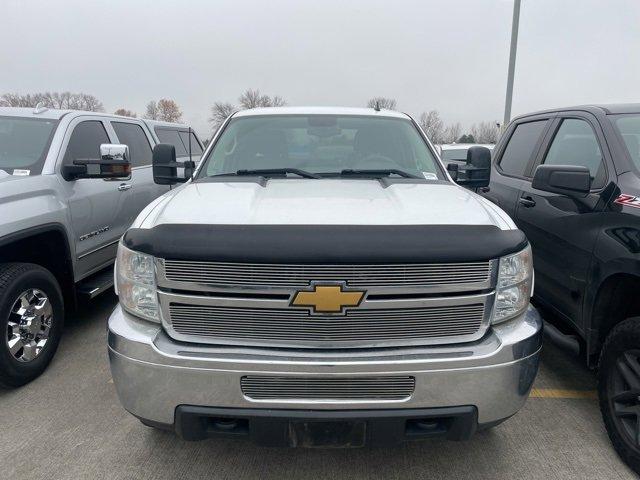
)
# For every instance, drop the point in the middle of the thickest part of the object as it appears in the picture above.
(619, 390)
(28, 281)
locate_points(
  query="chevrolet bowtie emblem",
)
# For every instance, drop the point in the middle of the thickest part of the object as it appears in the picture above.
(327, 299)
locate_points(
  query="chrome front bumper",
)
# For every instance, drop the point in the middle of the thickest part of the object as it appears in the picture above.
(154, 374)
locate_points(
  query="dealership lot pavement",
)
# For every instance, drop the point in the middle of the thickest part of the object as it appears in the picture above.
(69, 424)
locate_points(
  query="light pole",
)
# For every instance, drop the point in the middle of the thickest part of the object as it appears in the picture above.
(512, 62)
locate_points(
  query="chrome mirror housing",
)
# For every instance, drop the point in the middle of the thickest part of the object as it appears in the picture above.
(110, 152)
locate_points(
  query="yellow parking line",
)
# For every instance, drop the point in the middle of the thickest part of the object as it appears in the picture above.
(559, 393)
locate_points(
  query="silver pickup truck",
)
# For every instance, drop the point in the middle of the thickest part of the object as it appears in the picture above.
(71, 183)
(321, 280)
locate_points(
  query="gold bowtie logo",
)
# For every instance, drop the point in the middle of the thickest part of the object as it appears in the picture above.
(327, 299)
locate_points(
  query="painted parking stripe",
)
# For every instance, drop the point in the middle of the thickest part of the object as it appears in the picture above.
(559, 393)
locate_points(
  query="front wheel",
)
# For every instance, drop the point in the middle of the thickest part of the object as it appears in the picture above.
(31, 317)
(619, 390)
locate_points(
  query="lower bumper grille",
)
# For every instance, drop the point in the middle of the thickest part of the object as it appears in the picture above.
(259, 387)
(357, 327)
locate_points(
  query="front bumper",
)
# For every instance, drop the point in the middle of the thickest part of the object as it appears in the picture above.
(482, 382)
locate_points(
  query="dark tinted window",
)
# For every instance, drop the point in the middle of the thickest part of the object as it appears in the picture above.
(575, 143)
(24, 144)
(629, 127)
(195, 146)
(520, 147)
(133, 136)
(172, 137)
(85, 141)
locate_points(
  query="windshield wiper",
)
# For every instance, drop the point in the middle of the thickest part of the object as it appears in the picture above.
(267, 172)
(377, 173)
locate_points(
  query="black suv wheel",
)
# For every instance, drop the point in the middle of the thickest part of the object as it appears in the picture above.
(619, 389)
(31, 317)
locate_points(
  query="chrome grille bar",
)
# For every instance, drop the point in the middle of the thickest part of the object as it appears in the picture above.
(291, 327)
(193, 275)
(262, 387)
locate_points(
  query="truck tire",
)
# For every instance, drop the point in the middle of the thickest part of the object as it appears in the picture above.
(619, 390)
(31, 321)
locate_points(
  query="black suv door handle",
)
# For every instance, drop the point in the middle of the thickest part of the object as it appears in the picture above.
(527, 202)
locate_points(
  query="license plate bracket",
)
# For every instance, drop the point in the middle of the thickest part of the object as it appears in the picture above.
(331, 434)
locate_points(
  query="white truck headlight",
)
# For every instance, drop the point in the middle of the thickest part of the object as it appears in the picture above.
(136, 283)
(515, 285)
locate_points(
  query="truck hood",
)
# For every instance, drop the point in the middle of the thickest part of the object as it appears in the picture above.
(5, 177)
(322, 202)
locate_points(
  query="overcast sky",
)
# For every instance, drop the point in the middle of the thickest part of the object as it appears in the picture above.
(449, 55)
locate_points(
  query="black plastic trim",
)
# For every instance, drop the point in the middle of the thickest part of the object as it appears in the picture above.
(322, 244)
(31, 231)
(270, 427)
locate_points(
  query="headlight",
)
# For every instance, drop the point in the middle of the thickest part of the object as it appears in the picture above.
(136, 283)
(515, 282)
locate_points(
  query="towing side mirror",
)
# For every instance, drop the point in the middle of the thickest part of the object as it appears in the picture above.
(165, 166)
(453, 169)
(477, 169)
(113, 164)
(571, 180)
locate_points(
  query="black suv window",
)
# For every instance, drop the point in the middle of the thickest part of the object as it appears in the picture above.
(521, 147)
(85, 141)
(575, 143)
(133, 136)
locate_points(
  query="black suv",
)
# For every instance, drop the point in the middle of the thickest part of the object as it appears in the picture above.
(570, 178)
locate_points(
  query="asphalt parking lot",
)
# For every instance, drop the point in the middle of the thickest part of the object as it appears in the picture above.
(69, 424)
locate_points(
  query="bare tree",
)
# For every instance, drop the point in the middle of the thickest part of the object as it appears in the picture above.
(432, 125)
(382, 102)
(16, 100)
(169, 110)
(219, 113)
(485, 132)
(125, 113)
(278, 101)
(164, 109)
(84, 101)
(251, 98)
(254, 99)
(151, 111)
(60, 100)
(452, 133)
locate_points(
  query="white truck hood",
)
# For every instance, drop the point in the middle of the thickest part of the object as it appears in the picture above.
(322, 202)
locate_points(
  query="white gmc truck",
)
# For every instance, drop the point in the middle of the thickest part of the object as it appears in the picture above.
(321, 280)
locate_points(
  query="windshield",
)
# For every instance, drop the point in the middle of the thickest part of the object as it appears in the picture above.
(24, 143)
(629, 128)
(321, 144)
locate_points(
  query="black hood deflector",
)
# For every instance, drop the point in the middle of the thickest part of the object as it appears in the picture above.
(326, 244)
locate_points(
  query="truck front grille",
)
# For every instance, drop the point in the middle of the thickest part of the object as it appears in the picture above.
(253, 304)
(296, 276)
(283, 326)
(263, 387)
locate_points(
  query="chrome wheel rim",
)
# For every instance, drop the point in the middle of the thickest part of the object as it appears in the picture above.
(29, 325)
(625, 395)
